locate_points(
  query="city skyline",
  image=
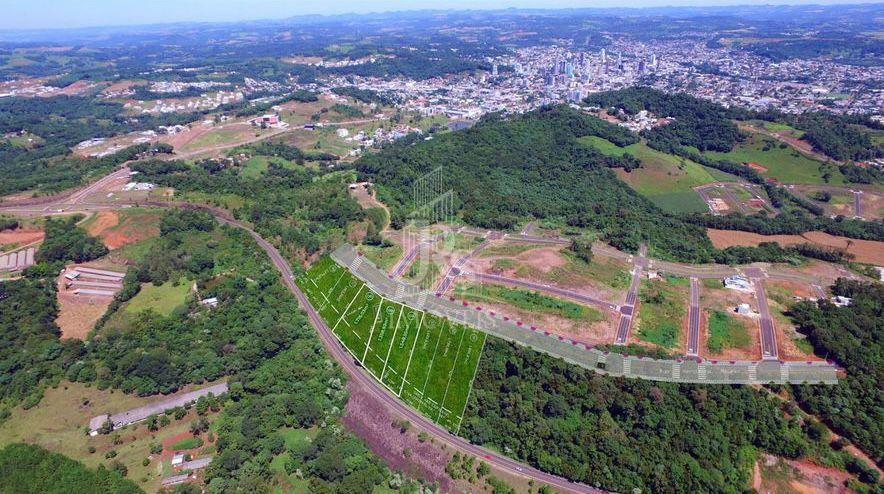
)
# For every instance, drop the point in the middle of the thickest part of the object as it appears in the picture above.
(54, 14)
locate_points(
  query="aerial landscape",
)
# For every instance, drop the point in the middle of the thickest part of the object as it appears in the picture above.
(497, 247)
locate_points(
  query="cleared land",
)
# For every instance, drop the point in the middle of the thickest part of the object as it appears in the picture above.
(427, 361)
(728, 335)
(665, 179)
(781, 295)
(555, 314)
(865, 251)
(604, 278)
(383, 257)
(662, 311)
(783, 163)
(161, 299)
(117, 229)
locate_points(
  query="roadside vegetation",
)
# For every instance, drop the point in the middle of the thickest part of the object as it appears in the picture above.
(624, 434)
(529, 301)
(725, 332)
(851, 336)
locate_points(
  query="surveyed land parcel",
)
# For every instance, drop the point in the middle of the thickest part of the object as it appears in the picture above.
(427, 361)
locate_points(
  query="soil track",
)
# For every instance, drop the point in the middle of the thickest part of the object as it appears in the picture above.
(866, 251)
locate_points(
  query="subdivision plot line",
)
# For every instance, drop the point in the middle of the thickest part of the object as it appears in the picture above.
(371, 331)
(451, 373)
(417, 337)
(393, 340)
(344, 313)
(472, 381)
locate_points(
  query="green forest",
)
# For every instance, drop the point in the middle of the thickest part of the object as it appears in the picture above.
(28, 469)
(304, 211)
(852, 336)
(622, 434)
(505, 171)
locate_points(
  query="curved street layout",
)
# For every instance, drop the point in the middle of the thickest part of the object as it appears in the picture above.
(373, 388)
(359, 376)
(578, 353)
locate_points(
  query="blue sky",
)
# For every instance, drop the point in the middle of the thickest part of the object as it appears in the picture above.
(38, 14)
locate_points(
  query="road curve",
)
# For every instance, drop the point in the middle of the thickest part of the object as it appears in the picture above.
(368, 383)
(374, 389)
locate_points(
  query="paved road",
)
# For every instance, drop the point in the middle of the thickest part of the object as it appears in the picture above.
(694, 319)
(627, 310)
(455, 270)
(493, 278)
(768, 332)
(406, 261)
(857, 204)
(373, 388)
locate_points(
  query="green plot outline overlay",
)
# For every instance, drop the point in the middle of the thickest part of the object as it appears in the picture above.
(403, 335)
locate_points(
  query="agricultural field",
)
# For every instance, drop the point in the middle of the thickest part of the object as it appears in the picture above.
(427, 361)
(666, 180)
(163, 299)
(662, 311)
(780, 161)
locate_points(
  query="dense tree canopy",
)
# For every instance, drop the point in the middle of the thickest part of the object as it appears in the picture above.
(505, 171)
(853, 337)
(29, 469)
(66, 242)
(623, 434)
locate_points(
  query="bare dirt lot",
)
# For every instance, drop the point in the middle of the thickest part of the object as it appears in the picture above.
(78, 314)
(604, 278)
(780, 476)
(118, 229)
(865, 251)
(18, 238)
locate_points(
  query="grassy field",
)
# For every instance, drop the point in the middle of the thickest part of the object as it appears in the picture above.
(662, 310)
(295, 439)
(383, 257)
(665, 179)
(161, 299)
(783, 163)
(508, 249)
(427, 361)
(726, 332)
(423, 274)
(528, 301)
(575, 272)
(57, 423)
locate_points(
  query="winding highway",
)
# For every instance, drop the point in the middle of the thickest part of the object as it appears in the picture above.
(72, 203)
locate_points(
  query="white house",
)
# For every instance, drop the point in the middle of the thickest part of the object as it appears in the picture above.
(737, 282)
